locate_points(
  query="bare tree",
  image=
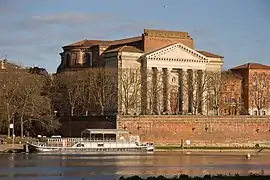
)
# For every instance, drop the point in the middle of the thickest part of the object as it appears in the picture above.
(23, 101)
(8, 96)
(69, 89)
(196, 86)
(88, 96)
(154, 90)
(35, 103)
(214, 91)
(129, 90)
(230, 93)
(100, 88)
(260, 92)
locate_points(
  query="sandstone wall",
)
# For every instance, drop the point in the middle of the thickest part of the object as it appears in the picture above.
(200, 130)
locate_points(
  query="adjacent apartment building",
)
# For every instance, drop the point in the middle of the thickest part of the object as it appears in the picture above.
(255, 88)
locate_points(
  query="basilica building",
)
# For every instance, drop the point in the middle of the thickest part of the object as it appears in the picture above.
(158, 72)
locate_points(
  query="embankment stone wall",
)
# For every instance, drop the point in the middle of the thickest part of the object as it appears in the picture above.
(200, 130)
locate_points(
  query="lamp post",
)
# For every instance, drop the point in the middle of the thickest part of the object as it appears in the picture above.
(55, 113)
(11, 126)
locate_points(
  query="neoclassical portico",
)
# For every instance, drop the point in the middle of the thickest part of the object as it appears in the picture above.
(177, 65)
(170, 77)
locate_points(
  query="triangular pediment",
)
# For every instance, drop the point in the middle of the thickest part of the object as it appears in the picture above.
(176, 51)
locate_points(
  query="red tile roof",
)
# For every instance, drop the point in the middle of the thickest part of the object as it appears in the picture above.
(89, 43)
(208, 54)
(251, 66)
(125, 49)
(85, 43)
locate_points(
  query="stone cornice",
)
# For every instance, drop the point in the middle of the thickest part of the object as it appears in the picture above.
(177, 45)
(198, 58)
(166, 34)
(177, 59)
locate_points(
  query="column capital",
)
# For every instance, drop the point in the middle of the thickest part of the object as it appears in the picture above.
(184, 69)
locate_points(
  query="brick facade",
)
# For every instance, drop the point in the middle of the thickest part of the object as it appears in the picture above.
(231, 92)
(153, 43)
(200, 130)
(255, 88)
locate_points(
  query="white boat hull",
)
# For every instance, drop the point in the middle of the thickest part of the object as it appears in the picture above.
(40, 148)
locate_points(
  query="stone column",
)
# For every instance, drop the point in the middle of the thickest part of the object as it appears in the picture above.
(150, 87)
(144, 83)
(80, 57)
(160, 90)
(155, 90)
(169, 82)
(200, 88)
(190, 90)
(185, 91)
(180, 91)
(164, 90)
(204, 95)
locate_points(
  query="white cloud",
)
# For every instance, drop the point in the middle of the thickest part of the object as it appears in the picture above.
(68, 18)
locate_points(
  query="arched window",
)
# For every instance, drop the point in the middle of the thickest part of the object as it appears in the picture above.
(87, 59)
(68, 60)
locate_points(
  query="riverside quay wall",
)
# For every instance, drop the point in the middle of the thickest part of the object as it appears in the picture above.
(199, 130)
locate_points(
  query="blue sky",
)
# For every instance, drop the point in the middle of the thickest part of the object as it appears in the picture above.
(33, 31)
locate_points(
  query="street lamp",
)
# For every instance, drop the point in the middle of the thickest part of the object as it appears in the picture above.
(55, 113)
(11, 126)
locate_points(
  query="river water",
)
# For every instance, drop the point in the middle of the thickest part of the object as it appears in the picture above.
(112, 166)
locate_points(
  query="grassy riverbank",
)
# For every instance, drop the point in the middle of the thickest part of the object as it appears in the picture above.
(206, 177)
(208, 148)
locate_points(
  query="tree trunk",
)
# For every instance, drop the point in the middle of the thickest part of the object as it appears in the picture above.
(21, 128)
(102, 110)
(22, 122)
(126, 110)
(8, 126)
(72, 111)
(8, 129)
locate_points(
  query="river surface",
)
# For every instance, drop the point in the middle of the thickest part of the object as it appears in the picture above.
(112, 166)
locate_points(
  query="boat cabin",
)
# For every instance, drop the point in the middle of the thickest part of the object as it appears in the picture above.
(104, 135)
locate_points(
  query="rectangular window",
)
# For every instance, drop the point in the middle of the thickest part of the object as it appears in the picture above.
(264, 113)
(255, 113)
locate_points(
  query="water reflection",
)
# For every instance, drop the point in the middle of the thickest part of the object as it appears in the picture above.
(104, 166)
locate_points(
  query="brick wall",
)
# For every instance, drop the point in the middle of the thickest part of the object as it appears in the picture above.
(152, 43)
(200, 130)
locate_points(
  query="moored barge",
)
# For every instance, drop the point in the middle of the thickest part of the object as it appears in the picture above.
(93, 140)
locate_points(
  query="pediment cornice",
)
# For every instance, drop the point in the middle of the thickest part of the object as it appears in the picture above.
(176, 52)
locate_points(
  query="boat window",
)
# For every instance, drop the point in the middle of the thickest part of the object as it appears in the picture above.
(100, 145)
